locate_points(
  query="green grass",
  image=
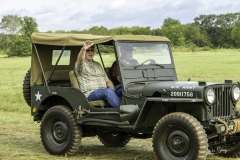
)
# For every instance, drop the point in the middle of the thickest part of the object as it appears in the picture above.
(19, 135)
(20, 141)
(2, 53)
(208, 66)
(12, 74)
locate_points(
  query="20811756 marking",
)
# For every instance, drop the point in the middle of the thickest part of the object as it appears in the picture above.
(181, 94)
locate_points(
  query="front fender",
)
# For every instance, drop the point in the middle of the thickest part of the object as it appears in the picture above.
(155, 108)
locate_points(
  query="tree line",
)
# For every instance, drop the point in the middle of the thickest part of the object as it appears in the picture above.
(212, 31)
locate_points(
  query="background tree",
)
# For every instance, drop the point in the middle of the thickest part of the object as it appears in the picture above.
(16, 34)
(120, 31)
(28, 26)
(15, 45)
(206, 23)
(173, 29)
(59, 31)
(218, 28)
(10, 24)
(136, 30)
(157, 32)
(235, 35)
(99, 30)
(194, 36)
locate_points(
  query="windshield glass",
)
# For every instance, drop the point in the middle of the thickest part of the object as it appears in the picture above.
(132, 54)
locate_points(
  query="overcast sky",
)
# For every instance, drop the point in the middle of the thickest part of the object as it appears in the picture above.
(84, 14)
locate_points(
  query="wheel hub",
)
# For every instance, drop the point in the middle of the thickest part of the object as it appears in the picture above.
(178, 143)
(60, 132)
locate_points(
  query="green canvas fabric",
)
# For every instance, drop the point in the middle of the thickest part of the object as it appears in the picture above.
(67, 39)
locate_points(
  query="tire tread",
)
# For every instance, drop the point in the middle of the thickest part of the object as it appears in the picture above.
(202, 137)
(77, 132)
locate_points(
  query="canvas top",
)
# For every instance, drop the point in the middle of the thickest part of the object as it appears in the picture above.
(69, 39)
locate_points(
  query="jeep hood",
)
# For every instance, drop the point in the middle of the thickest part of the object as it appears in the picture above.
(148, 89)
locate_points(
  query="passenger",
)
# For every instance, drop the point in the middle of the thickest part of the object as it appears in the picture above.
(126, 59)
(92, 78)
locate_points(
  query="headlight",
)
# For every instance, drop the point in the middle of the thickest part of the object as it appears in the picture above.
(235, 93)
(210, 95)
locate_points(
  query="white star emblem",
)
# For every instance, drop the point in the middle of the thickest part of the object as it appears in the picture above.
(38, 96)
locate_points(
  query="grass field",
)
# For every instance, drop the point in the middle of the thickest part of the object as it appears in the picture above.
(19, 135)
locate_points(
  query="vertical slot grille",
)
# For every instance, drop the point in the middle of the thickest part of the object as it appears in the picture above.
(221, 106)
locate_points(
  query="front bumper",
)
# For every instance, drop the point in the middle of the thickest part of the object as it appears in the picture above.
(230, 128)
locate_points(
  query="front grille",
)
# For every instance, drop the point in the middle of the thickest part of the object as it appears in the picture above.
(222, 106)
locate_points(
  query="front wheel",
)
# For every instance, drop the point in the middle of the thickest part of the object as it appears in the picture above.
(179, 136)
(114, 139)
(59, 131)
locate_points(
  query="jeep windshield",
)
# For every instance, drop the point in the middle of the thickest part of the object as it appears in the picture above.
(147, 53)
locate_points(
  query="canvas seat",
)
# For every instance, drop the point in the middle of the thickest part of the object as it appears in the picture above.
(75, 84)
(58, 75)
(58, 78)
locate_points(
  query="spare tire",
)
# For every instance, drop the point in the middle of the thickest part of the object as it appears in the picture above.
(26, 87)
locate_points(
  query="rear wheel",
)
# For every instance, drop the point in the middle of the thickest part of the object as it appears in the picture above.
(179, 136)
(114, 139)
(60, 133)
(26, 88)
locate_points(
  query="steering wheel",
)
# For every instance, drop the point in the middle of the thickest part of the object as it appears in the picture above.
(152, 61)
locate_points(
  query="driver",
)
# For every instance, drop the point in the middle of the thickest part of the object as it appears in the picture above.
(127, 55)
(127, 59)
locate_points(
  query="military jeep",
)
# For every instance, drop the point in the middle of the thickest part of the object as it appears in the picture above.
(185, 120)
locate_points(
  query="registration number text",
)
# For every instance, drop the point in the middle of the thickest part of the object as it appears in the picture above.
(181, 94)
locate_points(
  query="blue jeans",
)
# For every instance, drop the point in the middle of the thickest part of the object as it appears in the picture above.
(118, 90)
(105, 94)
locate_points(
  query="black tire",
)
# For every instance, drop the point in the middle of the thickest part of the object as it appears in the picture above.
(179, 136)
(60, 133)
(114, 139)
(230, 149)
(26, 88)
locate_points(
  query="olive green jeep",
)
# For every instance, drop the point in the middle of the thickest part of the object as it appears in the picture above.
(185, 120)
